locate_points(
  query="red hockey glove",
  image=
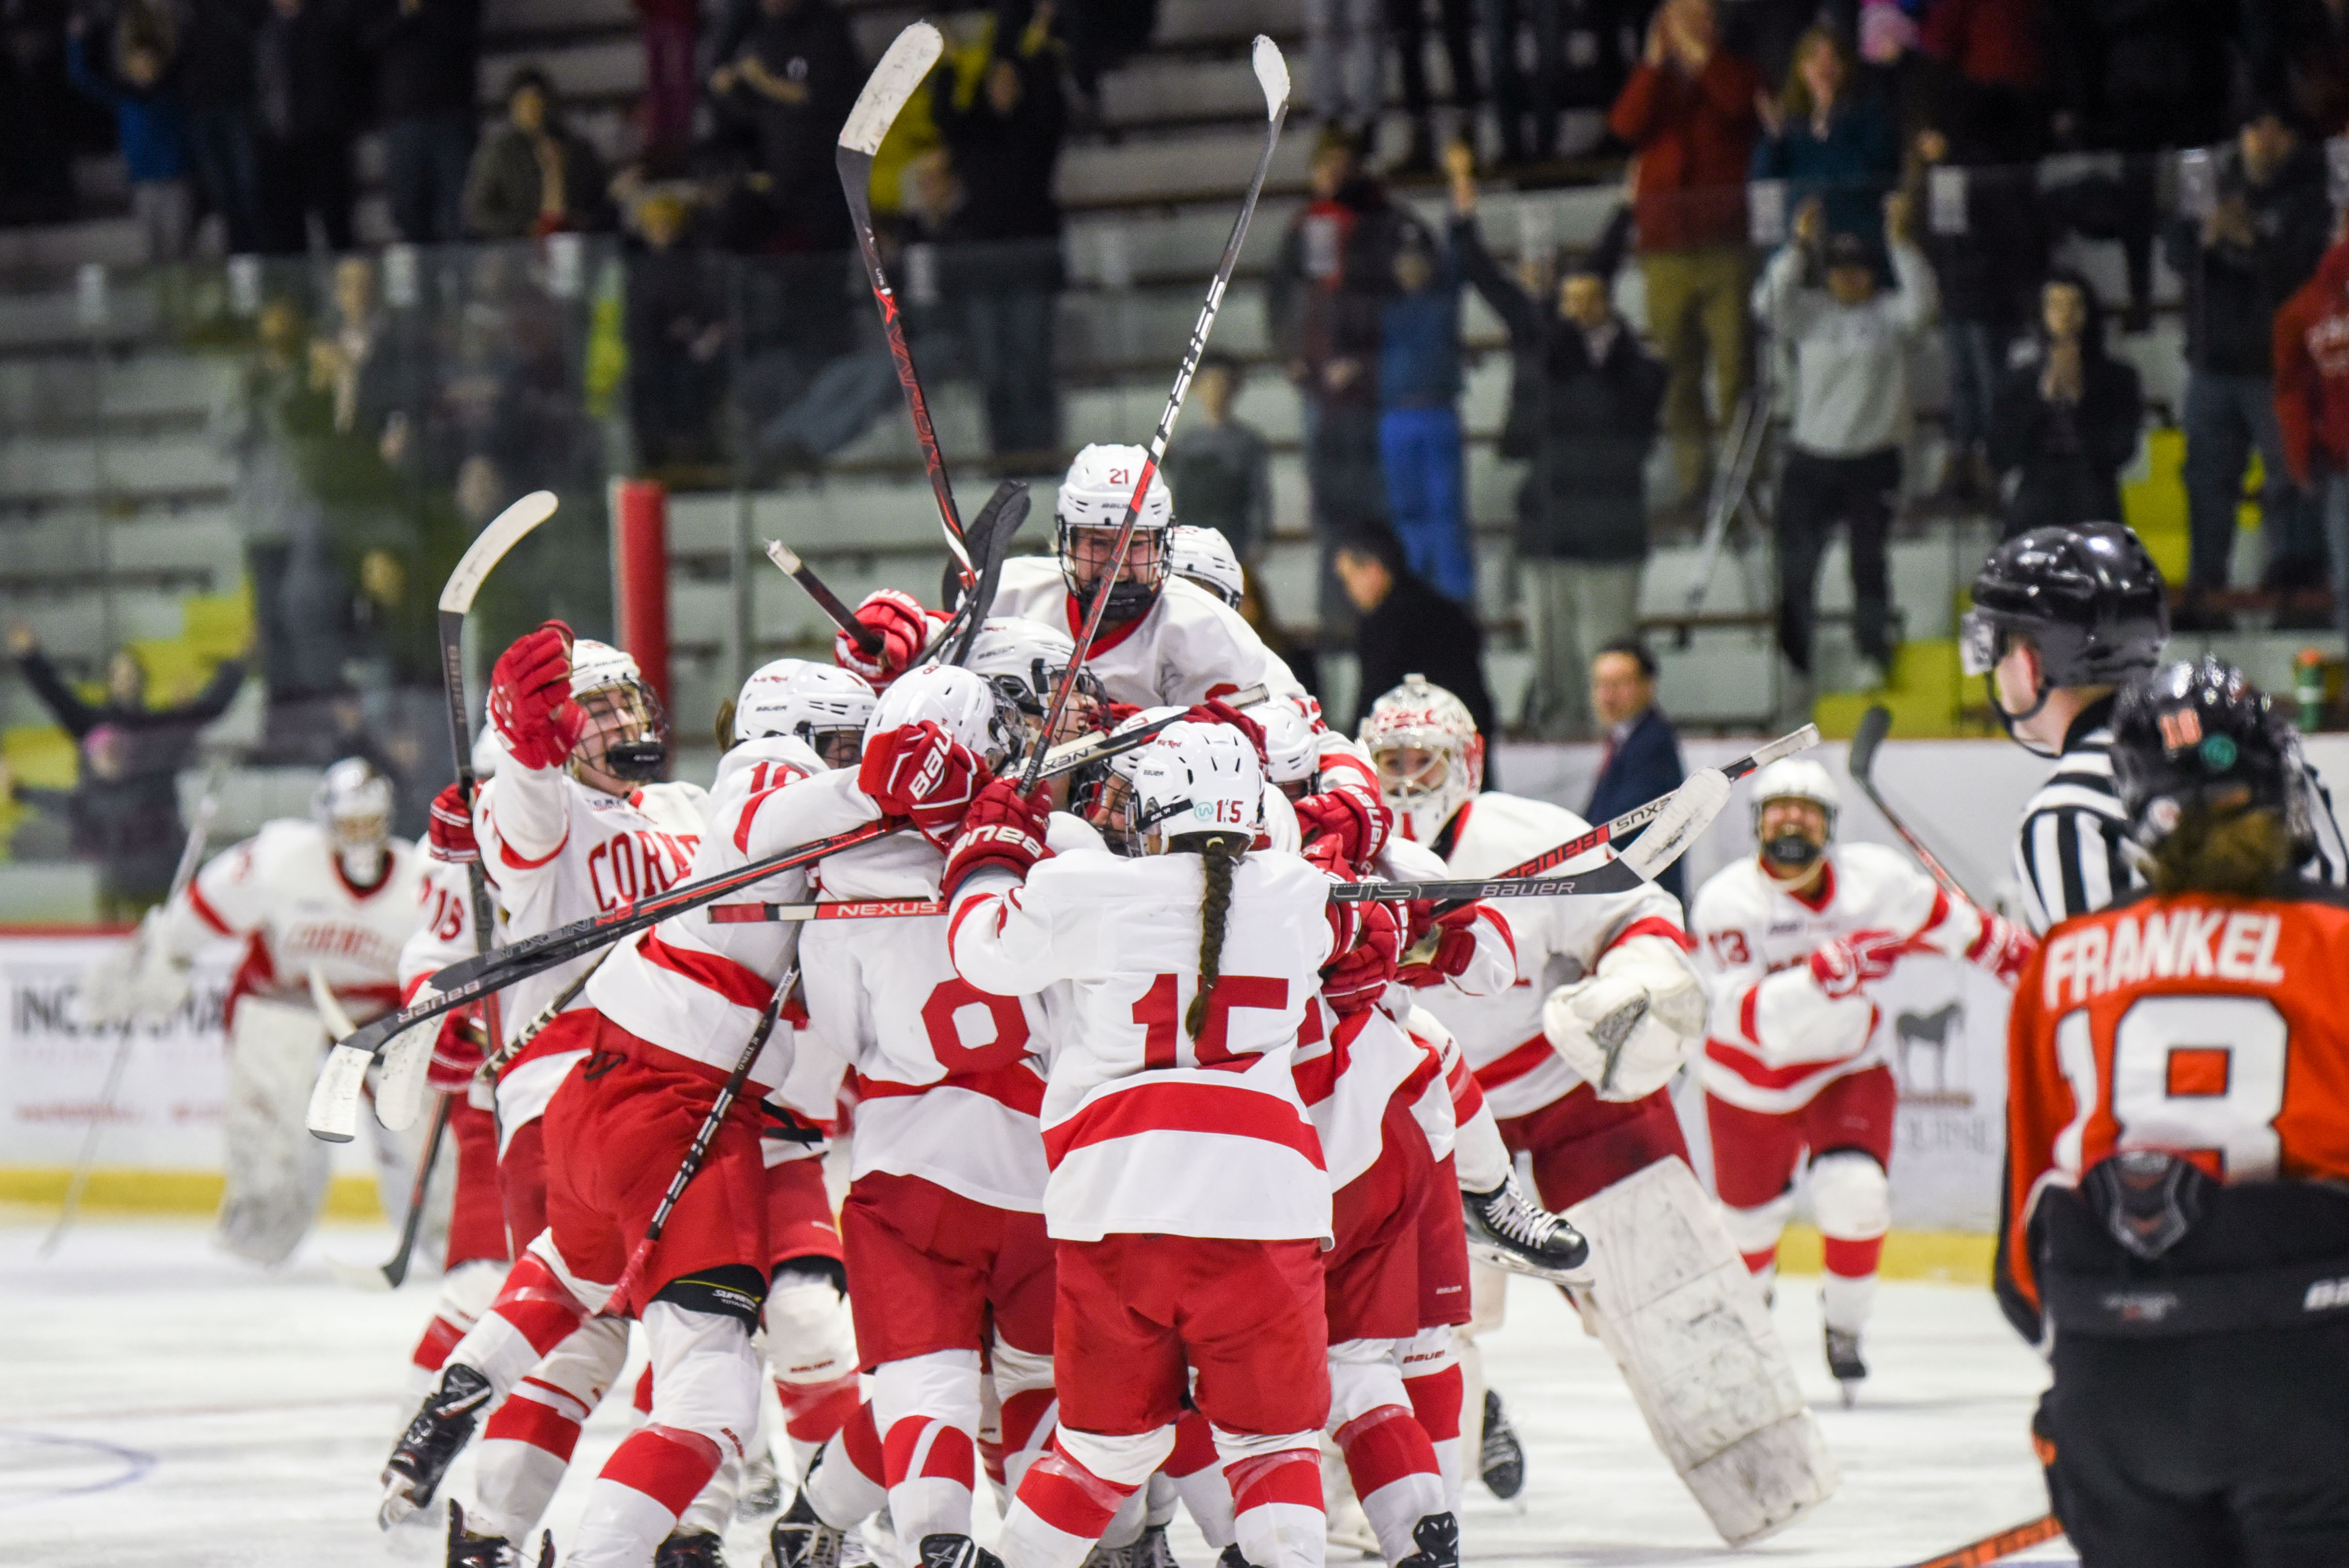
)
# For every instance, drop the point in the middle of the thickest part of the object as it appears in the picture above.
(1455, 944)
(1842, 965)
(1002, 827)
(1360, 976)
(458, 1051)
(2004, 948)
(530, 697)
(919, 771)
(1215, 710)
(450, 833)
(904, 629)
(1359, 820)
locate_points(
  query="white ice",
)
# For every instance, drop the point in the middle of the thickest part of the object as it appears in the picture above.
(161, 1404)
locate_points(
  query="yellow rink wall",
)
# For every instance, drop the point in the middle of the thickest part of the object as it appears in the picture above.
(129, 1190)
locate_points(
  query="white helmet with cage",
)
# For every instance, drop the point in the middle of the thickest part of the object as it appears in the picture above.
(1292, 737)
(1196, 779)
(1797, 779)
(822, 705)
(626, 742)
(1087, 514)
(1205, 557)
(1430, 759)
(964, 704)
(352, 805)
(1024, 660)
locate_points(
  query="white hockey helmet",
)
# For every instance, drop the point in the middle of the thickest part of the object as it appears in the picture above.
(352, 805)
(1091, 508)
(822, 705)
(961, 701)
(1205, 557)
(1797, 779)
(626, 742)
(1430, 759)
(1292, 737)
(1025, 660)
(1198, 778)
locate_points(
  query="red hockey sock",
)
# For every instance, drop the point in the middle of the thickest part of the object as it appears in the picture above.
(1852, 1260)
(813, 1411)
(1277, 1517)
(1436, 1401)
(1070, 1497)
(537, 1305)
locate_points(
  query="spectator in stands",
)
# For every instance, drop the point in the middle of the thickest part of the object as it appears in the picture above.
(1826, 140)
(2066, 417)
(150, 119)
(678, 328)
(671, 30)
(306, 88)
(1688, 113)
(1419, 410)
(1988, 255)
(2260, 240)
(788, 87)
(534, 175)
(1218, 468)
(426, 54)
(1342, 66)
(1994, 47)
(1521, 94)
(1408, 21)
(2299, 55)
(1642, 757)
(216, 61)
(1850, 342)
(1322, 305)
(2312, 392)
(1583, 407)
(125, 807)
(1004, 132)
(1406, 627)
(36, 105)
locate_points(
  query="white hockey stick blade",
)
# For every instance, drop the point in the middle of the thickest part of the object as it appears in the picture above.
(333, 1113)
(489, 547)
(406, 1063)
(1787, 745)
(906, 61)
(358, 1276)
(1688, 811)
(1271, 74)
(330, 1007)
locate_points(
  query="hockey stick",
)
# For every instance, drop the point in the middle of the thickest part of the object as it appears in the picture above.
(192, 854)
(998, 520)
(1999, 1547)
(1272, 76)
(1873, 726)
(903, 66)
(642, 1252)
(839, 614)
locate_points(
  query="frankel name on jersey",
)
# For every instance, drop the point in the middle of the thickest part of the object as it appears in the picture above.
(2183, 944)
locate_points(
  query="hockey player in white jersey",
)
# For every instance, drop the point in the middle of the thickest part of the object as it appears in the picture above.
(1204, 557)
(337, 893)
(1794, 940)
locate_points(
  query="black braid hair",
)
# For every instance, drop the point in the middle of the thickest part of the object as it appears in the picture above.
(1220, 855)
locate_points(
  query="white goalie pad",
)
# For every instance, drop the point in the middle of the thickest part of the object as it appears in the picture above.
(277, 1171)
(1675, 1306)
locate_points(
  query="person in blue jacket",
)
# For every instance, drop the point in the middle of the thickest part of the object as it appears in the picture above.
(150, 120)
(1419, 409)
(1826, 138)
(1642, 759)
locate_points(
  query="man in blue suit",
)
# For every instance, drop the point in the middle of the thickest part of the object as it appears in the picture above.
(1643, 751)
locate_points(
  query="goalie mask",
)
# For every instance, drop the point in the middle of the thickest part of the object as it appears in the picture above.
(1088, 514)
(963, 704)
(352, 805)
(626, 742)
(1024, 661)
(1195, 778)
(1789, 851)
(1430, 759)
(821, 705)
(1205, 557)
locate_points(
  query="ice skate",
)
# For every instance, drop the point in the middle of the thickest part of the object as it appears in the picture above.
(1231, 1557)
(1501, 1458)
(691, 1549)
(424, 1452)
(943, 1551)
(1842, 1360)
(762, 1488)
(800, 1540)
(1510, 1231)
(467, 1550)
(1153, 1551)
(1437, 1542)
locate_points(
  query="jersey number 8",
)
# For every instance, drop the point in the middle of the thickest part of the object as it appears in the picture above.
(2190, 1073)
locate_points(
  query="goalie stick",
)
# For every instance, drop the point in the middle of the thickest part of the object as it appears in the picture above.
(903, 66)
(1873, 726)
(388, 1276)
(1272, 76)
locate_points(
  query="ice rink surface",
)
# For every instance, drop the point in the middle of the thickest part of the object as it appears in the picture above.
(161, 1404)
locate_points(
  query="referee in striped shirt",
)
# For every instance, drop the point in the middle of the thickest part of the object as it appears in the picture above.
(2061, 618)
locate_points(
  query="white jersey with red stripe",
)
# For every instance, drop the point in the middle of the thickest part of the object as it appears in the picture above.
(1188, 647)
(284, 892)
(1348, 1069)
(1773, 1038)
(694, 986)
(945, 1087)
(1556, 942)
(1147, 1130)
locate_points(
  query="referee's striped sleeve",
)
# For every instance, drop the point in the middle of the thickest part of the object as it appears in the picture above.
(2069, 862)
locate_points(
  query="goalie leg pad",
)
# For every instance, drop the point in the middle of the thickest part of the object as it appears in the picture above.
(1675, 1304)
(277, 1171)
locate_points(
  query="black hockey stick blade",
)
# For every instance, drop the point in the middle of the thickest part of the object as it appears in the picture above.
(999, 521)
(1873, 726)
(787, 561)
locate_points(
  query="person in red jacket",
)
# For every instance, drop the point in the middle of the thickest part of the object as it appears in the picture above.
(2312, 396)
(1687, 112)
